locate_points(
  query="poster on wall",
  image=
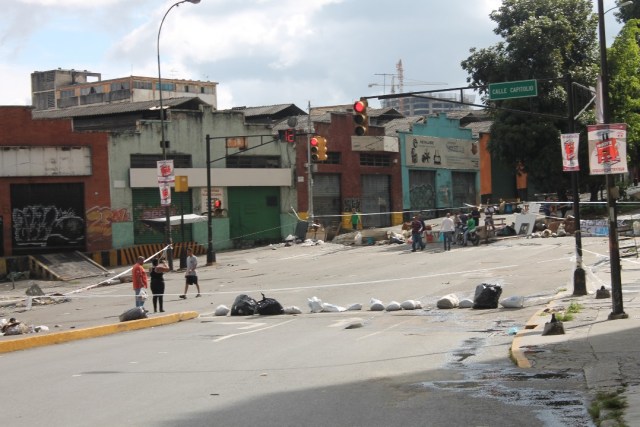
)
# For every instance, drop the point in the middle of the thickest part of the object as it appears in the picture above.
(445, 153)
(165, 171)
(607, 149)
(569, 147)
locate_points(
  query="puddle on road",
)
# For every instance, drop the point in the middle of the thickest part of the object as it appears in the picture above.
(556, 397)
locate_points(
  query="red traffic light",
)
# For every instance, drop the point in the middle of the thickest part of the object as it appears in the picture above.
(314, 142)
(360, 106)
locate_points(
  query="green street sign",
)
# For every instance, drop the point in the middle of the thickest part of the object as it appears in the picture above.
(511, 90)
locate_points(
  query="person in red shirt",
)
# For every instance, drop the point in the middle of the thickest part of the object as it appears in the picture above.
(139, 276)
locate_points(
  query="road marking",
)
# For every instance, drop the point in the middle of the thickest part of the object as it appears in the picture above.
(251, 332)
(384, 330)
(248, 325)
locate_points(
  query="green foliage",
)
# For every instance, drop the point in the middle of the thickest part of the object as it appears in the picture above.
(624, 84)
(574, 307)
(564, 317)
(608, 406)
(543, 40)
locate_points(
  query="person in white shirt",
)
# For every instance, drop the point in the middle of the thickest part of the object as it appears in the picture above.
(447, 228)
(191, 276)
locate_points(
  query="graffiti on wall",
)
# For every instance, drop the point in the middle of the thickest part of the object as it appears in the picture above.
(38, 225)
(99, 220)
(351, 203)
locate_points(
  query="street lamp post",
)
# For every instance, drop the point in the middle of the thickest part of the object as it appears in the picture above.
(614, 247)
(167, 209)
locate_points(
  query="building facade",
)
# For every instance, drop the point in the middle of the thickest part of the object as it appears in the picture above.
(72, 88)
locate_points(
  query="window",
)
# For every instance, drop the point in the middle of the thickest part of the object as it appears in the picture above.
(167, 86)
(69, 93)
(379, 160)
(254, 162)
(149, 160)
(119, 85)
(186, 88)
(142, 85)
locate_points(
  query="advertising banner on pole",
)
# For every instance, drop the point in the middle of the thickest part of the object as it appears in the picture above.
(607, 148)
(165, 194)
(569, 145)
(165, 171)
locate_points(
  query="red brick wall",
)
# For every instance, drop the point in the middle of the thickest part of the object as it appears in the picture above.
(17, 128)
(338, 134)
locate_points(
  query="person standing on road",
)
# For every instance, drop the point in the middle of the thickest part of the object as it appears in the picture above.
(471, 226)
(157, 283)
(191, 276)
(416, 234)
(355, 219)
(139, 277)
(447, 227)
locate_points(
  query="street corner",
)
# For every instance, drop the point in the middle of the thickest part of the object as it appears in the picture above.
(25, 342)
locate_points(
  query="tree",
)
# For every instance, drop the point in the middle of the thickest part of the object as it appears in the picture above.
(544, 40)
(624, 84)
(628, 12)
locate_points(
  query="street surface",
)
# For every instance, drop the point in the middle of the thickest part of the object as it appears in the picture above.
(425, 367)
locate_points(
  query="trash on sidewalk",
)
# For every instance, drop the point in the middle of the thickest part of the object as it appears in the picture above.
(269, 307)
(376, 305)
(393, 306)
(411, 304)
(553, 327)
(244, 305)
(603, 293)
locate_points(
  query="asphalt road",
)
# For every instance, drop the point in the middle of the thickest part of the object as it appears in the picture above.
(426, 367)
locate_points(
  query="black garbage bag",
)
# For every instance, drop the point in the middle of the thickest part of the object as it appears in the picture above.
(269, 306)
(135, 313)
(243, 305)
(487, 296)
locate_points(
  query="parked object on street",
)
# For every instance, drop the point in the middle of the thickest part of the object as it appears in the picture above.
(243, 305)
(448, 302)
(135, 313)
(221, 310)
(513, 302)
(269, 307)
(487, 296)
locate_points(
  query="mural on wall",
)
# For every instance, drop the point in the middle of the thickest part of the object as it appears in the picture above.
(47, 217)
(446, 153)
(38, 225)
(99, 220)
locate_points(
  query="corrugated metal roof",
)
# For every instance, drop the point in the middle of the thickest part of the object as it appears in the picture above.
(267, 110)
(116, 108)
(479, 127)
(404, 124)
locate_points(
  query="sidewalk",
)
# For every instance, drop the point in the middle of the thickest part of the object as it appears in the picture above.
(606, 351)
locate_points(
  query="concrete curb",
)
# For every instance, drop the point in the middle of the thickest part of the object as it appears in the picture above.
(33, 341)
(517, 352)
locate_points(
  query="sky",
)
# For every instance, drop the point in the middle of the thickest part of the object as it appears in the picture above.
(260, 52)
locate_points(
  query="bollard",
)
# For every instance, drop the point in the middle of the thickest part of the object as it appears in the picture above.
(603, 293)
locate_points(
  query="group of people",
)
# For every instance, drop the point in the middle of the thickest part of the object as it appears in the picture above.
(156, 274)
(465, 224)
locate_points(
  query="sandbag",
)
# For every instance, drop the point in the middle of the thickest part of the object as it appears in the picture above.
(465, 303)
(376, 305)
(269, 307)
(221, 310)
(135, 313)
(315, 304)
(243, 305)
(393, 306)
(513, 302)
(448, 302)
(487, 296)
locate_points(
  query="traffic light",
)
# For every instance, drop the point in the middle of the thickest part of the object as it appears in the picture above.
(318, 147)
(360, 117)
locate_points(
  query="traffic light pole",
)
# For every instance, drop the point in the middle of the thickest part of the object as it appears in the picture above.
(309, 171)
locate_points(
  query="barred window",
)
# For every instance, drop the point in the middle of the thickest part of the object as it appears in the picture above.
(142, 85)
(379, 160)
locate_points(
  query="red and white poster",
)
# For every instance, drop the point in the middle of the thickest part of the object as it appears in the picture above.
(569, 145)
(165, 171)
(607, 148)
(165, 194)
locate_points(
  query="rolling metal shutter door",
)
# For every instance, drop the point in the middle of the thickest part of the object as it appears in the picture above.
(464, 188)
(326, 196)
(422, 190)
(376, 200)
(146, 205)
